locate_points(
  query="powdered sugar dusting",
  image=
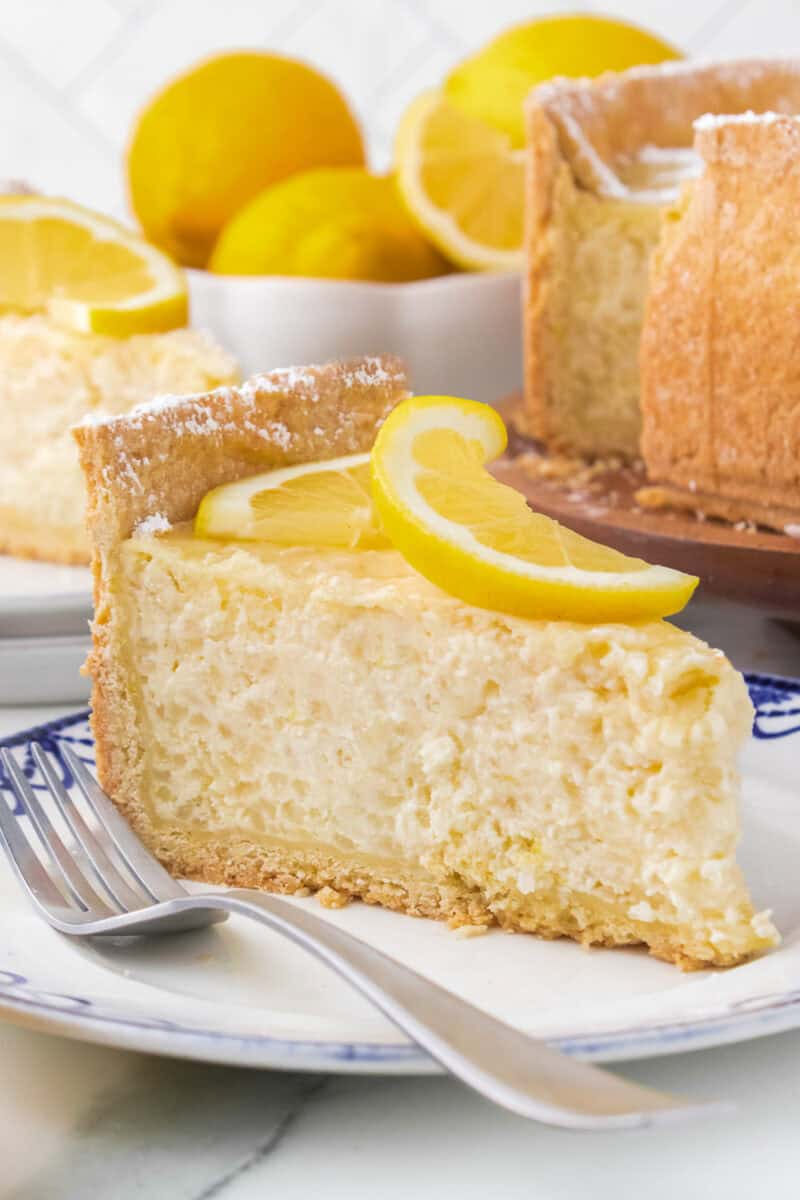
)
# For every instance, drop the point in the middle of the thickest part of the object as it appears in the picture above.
(199, 413)
(601, 141)
(156, 523)
(156, 462)
(746, 73)
(718, 120)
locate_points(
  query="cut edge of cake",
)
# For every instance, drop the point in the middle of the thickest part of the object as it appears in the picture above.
(720, 382)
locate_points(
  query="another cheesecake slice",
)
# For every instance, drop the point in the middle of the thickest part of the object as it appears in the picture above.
(52, 377)
(285, 716)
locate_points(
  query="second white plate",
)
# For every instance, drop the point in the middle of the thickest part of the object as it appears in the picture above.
(38, 598)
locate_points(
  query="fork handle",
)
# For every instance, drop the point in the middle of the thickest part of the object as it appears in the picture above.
(514, 1070)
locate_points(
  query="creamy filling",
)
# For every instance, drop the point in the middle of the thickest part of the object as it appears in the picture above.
(337, 696)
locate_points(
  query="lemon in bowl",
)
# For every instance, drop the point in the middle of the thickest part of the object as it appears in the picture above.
(493, 83)
(217, 135)
(333, 222)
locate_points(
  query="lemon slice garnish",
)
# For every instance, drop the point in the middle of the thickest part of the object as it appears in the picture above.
(478, 539)
(464, 183)
(312, 504)
(87, 271)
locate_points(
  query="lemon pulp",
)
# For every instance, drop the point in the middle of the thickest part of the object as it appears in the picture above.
(312, 504)
(463, 181)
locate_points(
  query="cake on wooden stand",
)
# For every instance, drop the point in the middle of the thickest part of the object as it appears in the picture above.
(606, 161)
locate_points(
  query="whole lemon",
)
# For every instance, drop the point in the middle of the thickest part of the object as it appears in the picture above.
(220, 133)
(335, 223)
(494, 83)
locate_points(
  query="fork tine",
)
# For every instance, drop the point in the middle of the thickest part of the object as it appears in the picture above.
(97, 863)
(137, 858)
(65, 869)
(24, 860)
(26, 866)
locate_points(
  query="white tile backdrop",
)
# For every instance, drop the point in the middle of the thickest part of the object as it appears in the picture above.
(74, 72)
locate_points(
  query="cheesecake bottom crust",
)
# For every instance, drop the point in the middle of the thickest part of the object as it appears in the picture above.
(274, 867)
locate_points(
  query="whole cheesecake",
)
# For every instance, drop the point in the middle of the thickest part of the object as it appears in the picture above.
(289, 716)
(607, 159)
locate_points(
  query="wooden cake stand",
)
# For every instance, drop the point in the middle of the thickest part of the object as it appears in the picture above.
(751, 566)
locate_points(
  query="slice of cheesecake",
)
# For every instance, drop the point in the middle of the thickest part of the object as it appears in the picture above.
(286, 716)
(50, 378)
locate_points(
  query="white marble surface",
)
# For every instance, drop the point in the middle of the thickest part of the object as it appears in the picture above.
(79, 1121)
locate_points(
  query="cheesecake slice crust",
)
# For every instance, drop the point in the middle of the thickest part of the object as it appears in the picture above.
(289, 717)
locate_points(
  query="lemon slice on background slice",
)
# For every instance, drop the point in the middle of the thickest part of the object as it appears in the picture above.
(87, 271)
(463, 181)
(312, 504)
(478, 540)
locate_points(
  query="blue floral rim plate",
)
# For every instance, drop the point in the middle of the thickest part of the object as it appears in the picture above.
(241, 995)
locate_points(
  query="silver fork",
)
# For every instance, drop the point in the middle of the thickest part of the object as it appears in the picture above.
(101, 880)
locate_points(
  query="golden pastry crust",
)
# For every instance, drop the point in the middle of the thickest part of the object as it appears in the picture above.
(162, 458)
(720, 362)
(589, 237)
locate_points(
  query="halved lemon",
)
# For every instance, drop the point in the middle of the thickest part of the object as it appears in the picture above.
(86, 270)
(463, 181)
(312, 504)
(478, 540)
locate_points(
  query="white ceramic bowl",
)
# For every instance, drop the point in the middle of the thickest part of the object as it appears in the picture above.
(458, 334)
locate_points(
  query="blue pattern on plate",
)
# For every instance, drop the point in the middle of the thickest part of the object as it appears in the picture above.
(777, 705)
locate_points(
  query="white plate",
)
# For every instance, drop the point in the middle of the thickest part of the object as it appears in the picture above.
(43, 598)
(239, 994)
